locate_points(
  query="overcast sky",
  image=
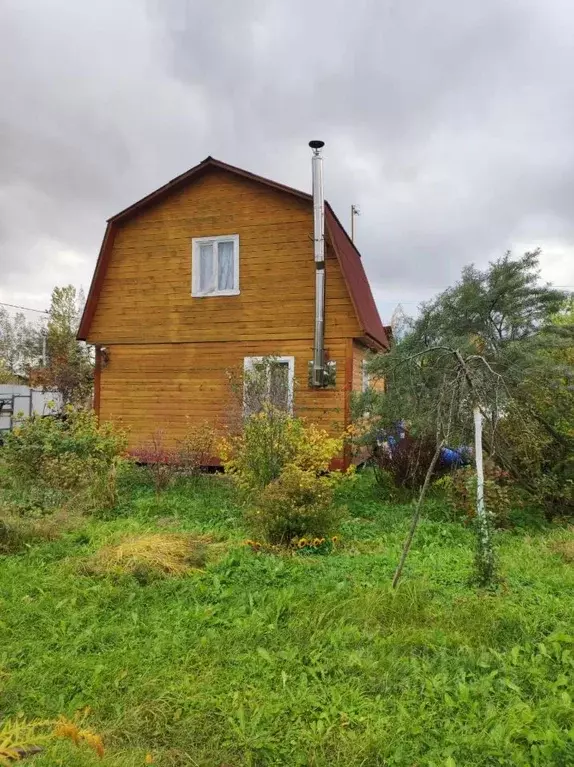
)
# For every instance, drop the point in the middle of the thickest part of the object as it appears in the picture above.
(450, 123)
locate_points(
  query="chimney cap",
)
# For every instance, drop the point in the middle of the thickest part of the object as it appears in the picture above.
(316, 144)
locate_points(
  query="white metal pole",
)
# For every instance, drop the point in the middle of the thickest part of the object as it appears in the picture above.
(480, 510)
(485, 553)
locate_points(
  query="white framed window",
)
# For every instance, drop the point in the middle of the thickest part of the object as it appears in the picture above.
(268, 380)
(215, 266)
(366, 378)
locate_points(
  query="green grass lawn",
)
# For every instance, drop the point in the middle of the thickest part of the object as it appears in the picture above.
(294, 660)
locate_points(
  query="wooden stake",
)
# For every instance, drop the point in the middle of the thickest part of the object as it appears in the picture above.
(417, 514)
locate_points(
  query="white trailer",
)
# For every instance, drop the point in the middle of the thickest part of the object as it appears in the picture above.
(17, 402)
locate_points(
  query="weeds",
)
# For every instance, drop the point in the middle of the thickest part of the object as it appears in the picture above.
(165, 464)
(564, 549)
(19, 532)
(198, 446)
(159, 461)
(52, 460)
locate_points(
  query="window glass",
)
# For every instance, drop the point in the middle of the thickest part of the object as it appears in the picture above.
(268, 380)
(279, 384)
(225, 265)
(206, 271)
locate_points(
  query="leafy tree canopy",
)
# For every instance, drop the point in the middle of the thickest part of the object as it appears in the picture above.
(46, 351)
(499, 338)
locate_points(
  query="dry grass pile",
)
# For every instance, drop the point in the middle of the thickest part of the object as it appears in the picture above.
(564, 548)
(154, 555)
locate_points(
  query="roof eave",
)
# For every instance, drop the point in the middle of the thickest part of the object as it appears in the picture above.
(209, 162)
(96, 284)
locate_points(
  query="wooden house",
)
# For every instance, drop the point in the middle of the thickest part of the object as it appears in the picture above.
(212, 271)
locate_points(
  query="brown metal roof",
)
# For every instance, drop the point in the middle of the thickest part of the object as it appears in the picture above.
(356, 279)
(347, 254)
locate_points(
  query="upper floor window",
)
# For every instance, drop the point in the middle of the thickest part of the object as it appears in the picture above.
(215, 266)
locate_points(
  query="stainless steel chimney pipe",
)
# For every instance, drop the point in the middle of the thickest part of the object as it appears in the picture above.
(318, 376)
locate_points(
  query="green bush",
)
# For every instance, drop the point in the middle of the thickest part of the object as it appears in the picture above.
(69, 457)
(281, 464)
(298, 503)
(501, 495)
(271, 440)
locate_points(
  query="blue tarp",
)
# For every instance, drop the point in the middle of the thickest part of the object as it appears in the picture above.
(450, 456)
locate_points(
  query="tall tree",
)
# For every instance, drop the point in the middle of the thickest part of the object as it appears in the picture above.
(517, 335)
(495, 347)
(69, 366)
(535, 440)
(20, 344)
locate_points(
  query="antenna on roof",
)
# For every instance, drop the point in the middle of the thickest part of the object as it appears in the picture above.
(354, 212)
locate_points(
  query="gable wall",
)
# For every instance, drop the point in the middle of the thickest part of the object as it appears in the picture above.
(146, 292)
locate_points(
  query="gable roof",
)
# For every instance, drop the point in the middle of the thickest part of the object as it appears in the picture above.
(347, 254)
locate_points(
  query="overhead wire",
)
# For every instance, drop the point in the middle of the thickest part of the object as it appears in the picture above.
(24, 308)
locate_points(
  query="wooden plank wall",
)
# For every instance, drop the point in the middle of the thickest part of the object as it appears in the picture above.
(169, 353)
(146, 291)
(360, 353)
(154, 386)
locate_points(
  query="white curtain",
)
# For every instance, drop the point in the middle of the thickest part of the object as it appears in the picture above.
(206, 270)
(225, 266)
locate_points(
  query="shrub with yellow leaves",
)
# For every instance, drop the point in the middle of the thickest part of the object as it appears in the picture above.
(20, 738)
(298, 503)
(281, 463)
(272, 439)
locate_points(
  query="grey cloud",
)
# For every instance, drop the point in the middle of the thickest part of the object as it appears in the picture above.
(449, 123)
